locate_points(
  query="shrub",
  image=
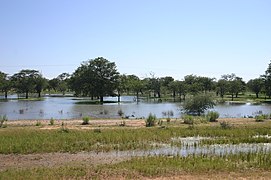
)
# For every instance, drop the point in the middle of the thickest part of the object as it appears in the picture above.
(52, 121)
(85, 120)
(151, 120)
(261, 118)
(122, 123)
(120, 112)
(198, 104)
(225, 125)
(188, 119)
(3, 119)
(38, 123)
(212, 116)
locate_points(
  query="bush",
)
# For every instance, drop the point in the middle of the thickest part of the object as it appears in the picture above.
(52, 121)
(198, 104)
(188, 119)
(261, 118)
(120, 112)
(3, 119)
(212, 116)
(85, 120)
(38, 123)
(225, 125)
(151, 120)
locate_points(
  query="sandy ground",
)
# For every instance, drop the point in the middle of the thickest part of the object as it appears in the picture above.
(103, 123)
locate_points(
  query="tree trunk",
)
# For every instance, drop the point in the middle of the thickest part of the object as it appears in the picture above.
(102, 99)
(118, 98)
(257, 95)
(174, 96)
(26, 95)
(232, 97)
(6, 94)
(39, 94)
(137, 96)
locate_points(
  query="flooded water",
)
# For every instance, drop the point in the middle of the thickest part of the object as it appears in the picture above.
(66, 108)
(191, 146)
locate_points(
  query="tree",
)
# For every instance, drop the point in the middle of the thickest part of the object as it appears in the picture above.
(198, 104)
(25, 81)
(235, 84)
(63, 82)
(5, 84)
(135, 84)
(267, 80)
(99, 74)
(222, 87)
(173, 86)
(256, 85)
(40, 84)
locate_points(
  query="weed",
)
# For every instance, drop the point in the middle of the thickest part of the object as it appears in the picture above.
(188, 119)
(151, 120)
(3, 120)
(122, 123)
(120, 113)
(52, 121)
(225, 125)
(212, 116)
(261, 117)
(85, 120)
(38, 123)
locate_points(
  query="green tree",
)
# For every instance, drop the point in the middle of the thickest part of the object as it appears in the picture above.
(198, 104)
(256, 85)
(25, 81)
(5, 84)
(267, 81)
(173, 86)
(40, 85)
(222, 87)
(99, 74)
(135, 84)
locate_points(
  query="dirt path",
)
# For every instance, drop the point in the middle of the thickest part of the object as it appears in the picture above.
(58, 159)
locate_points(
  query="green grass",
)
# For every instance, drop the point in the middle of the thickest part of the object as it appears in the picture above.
(151, 167)
(25, 140)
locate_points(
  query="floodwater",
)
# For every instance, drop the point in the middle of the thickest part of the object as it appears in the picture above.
(191, 146)
(66, 108)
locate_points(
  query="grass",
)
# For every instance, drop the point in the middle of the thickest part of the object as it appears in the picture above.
(153, 167)
(26, 140)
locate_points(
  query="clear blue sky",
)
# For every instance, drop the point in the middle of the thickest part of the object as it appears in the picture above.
(167, 37)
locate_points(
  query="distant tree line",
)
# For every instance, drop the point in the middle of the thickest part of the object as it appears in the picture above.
(99, 77)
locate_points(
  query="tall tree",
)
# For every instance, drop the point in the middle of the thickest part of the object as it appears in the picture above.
(24, 81)
(267, 81)
(40, 84)
(99, 74)
(5, 84)
(256, 85)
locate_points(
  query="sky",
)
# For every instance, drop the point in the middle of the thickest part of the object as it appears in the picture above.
(159, 37)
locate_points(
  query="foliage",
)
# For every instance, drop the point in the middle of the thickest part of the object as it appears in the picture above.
(225, 125)
(151, 120)
(261, 117)
(188, 119)
(120, 112)
(198, 104)
(96, 77)
(38, 123)
(3, 119)
(52, 121)
(25, 81)
(212, 116)
(85, 120)
(256, 85)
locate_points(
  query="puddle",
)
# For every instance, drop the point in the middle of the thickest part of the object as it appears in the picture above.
(191, 146)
